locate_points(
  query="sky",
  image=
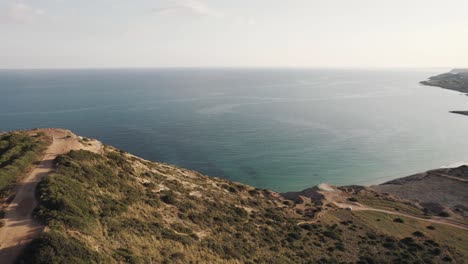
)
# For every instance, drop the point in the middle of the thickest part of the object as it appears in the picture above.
(228, 33)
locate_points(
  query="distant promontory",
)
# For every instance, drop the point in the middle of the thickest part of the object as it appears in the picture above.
(456, 80)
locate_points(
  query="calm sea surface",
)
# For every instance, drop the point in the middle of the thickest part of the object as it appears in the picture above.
(270, 128)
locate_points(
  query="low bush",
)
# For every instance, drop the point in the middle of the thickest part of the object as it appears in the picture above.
(126, 256)
(168, 197)
(332, 234)
(181, 228)
(52, 247)
(418, 234)
(170, 234)
(444, 214)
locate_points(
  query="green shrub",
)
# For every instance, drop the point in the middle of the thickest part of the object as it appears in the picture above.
(418, 234)
(64, 199)
(68, 196)
(232, 189)
(436, 251)
(339, 246)
(444, 214)
(293, 236)
(170, 234)
(18, 151)
(111, 207)
(447, 259)
(181, 228)
(366, 260)
(168, 197)
(389, 245)
(177, 257)
(126, 256)
(332, 234)
(52, 247)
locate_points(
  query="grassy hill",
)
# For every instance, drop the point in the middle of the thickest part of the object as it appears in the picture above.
(114, 207)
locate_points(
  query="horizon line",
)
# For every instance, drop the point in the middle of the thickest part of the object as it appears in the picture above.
(235, 67)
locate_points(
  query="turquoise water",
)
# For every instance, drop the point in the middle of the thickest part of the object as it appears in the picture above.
(270, 128)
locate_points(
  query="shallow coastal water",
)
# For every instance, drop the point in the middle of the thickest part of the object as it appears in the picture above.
(280, 129)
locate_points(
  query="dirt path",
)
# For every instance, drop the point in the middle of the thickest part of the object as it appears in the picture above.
(448, 176)
(338, 198)
(435, 220)
(20, 228)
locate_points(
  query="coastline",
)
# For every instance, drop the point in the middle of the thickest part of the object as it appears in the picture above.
(455, 80)
(459, 112)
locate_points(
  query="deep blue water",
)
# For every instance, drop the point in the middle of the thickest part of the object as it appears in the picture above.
(281, 129)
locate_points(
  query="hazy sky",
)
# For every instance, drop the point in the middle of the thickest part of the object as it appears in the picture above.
(291, 33)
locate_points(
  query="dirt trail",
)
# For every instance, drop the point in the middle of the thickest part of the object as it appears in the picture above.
(435, 220)
(339, 199)
(20, 228)
(448, 176)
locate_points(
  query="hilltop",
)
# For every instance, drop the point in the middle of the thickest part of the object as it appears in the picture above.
(440, 192)
(98, 204)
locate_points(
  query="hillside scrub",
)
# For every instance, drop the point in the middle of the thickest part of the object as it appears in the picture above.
(18, 152)
(116, 208)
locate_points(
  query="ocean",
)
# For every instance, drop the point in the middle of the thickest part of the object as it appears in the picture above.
(281, 129)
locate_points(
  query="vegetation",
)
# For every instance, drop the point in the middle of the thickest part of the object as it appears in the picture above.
(116, 208)
(18, 152)
(444, 214)
(455, 80)
(53, 247)
(385, 241)
(378, 200)
(145, 212)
